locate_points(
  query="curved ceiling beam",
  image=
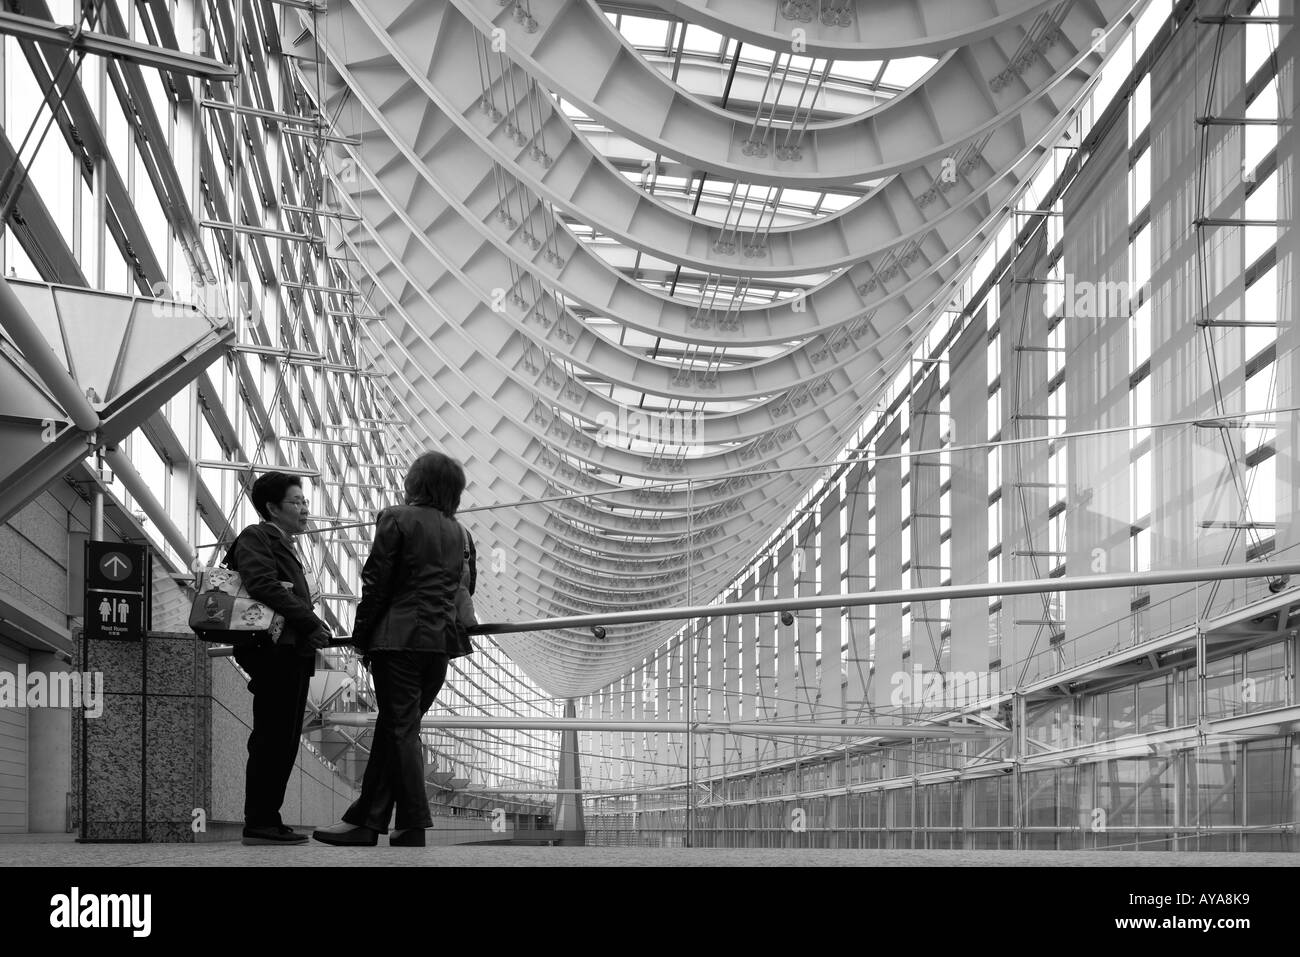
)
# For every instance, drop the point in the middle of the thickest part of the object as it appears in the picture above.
(756, 379)
(856, 351)
(866, 30)
(508, 418)
(449, 173)
(576, 53)
(585, 185)
(477, 416)
(477, 264)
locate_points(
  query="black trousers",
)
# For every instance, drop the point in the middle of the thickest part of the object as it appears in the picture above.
(406, 682)
(279, 681)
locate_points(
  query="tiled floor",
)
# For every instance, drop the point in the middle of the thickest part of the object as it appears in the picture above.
(21, 851)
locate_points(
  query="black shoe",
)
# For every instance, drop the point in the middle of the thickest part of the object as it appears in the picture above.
(407, 837)
(272, 834)
(346, 835)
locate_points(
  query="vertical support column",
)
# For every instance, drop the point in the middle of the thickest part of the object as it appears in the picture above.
(786, 638)
(1287, 534)
(889, 568)
(689, 649)
(1197, 274)
(184, 146)
(568, 807)
(656, 699)
(968, 398)
(584, 736)
(731, 683)
(751, 689)
(703, 665)
(711, 691)
(641, 749)
(99, 219)
(924, 482)
(193, 526)
(787, 660)
(631, 770)
(1097, 373)
(663, 742)
(622, 745)
(831, 691)
(589, 740)
(236, 162)
(677, 707)
(805, 568)
(1025, 497)
(858, 513)
(767, 642)
(1018, 738)
(97, 507)
(606, 738)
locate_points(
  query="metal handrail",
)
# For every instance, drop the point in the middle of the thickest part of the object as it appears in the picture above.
(1277, 572)
(352, 719)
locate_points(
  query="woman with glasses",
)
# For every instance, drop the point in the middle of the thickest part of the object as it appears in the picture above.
(273, 573)
(407, 626)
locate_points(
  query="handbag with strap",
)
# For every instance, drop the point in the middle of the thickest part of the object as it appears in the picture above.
(465, 617)
(223, 612)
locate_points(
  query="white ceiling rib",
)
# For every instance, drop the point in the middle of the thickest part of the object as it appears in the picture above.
(534, 288)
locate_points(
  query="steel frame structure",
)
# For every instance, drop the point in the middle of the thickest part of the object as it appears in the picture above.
(554, 237)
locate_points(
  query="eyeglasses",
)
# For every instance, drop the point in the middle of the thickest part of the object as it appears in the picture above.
(295, 501)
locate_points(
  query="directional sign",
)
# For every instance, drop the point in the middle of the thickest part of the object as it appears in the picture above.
(114, 616)
(113, 566)
(116, 566)
(117, 591)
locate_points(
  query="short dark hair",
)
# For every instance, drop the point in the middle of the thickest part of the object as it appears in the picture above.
(272, 487)
(435, 480)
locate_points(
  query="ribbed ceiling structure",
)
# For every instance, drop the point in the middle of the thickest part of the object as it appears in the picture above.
(613, 246)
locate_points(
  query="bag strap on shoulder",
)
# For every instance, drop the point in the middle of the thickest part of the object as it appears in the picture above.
(230, 549)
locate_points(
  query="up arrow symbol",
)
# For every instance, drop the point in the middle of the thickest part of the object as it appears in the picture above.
(114, 565)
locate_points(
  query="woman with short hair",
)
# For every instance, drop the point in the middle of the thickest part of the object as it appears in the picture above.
(273, 572)
(406, 626)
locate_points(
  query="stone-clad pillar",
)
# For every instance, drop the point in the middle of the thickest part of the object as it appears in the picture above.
(169, 749)
(148, 761)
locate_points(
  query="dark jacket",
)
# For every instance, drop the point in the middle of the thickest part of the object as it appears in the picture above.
(264, 558)
(409, 582)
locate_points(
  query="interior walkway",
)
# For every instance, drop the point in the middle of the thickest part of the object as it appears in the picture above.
(20, 851)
